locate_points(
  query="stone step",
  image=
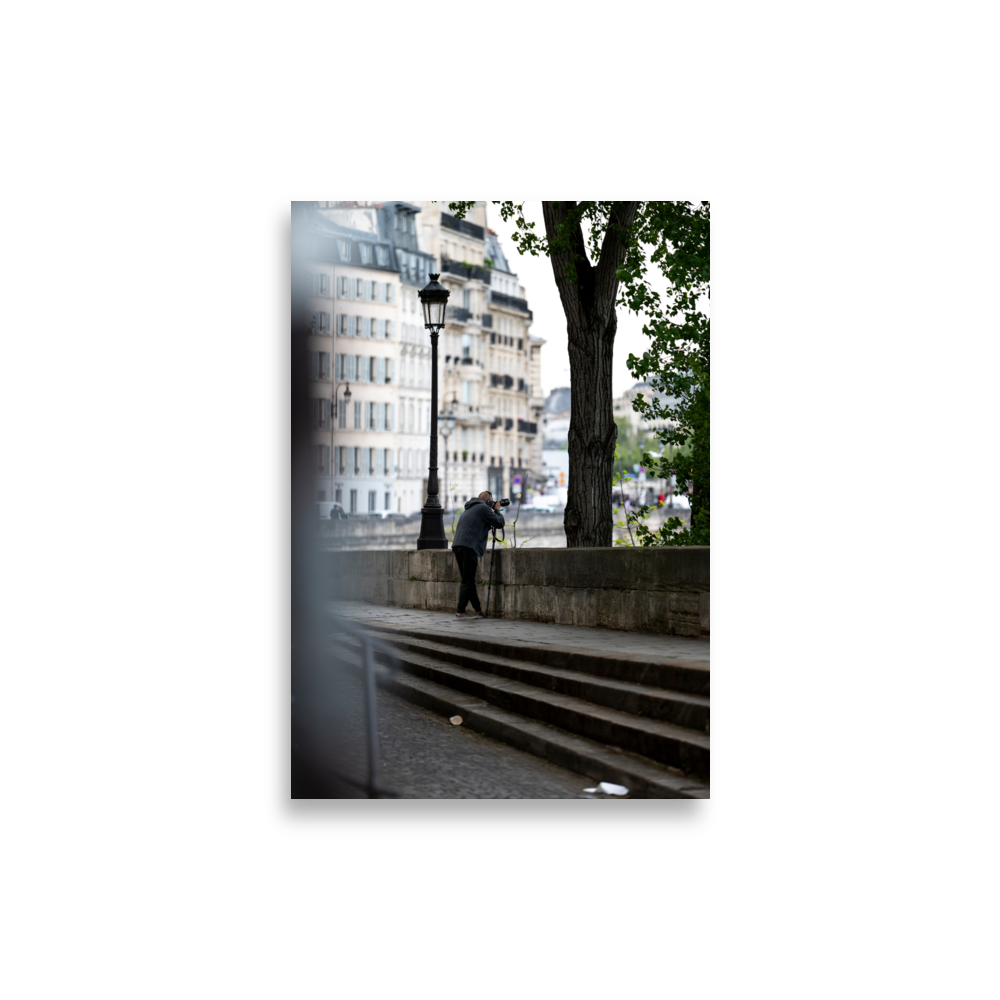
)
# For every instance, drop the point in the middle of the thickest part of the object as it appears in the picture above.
(684, 676)
(687, 710)
(660, 741)
(644, 778)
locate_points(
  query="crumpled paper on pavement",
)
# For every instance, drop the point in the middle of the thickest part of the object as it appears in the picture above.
(456, 720)
(609, 789)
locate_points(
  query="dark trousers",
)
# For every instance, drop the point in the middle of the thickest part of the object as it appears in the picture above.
(468, 563)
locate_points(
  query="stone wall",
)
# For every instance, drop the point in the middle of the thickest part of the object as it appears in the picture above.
(644, 590)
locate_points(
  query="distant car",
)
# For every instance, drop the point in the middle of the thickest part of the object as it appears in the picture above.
(547, 505)
(331, 509)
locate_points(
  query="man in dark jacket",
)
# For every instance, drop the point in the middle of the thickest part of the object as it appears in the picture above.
(480, 514)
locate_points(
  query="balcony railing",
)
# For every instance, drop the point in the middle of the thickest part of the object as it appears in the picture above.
(527, 426)
(487, 320)
(508, 381)
(521, 387)
(497, 421)
(496, 380)
(465, 270)
(462, 226)
(508, 422)
(467, 361)
(458, 314)
(509, 302)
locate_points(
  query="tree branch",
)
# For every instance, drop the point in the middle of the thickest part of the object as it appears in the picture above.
(560, 232)
(613, 251)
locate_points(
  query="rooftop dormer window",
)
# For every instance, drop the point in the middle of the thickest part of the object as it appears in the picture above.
(366, 253)
(345, 249)
(382, 255)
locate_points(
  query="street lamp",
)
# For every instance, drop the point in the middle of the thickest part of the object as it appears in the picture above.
(434, 299)
(447, 426)
(333, 421)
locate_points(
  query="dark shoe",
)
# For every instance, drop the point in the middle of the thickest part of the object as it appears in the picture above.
(479, 614)
(462, 614)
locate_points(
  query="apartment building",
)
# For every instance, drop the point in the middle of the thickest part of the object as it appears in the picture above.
(356, 294)
(370, 259)
(487, 363)
(380, 452)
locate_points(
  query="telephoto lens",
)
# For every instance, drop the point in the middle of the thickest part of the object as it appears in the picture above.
(505, 502)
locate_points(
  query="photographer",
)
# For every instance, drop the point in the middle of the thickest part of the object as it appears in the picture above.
(480, 514)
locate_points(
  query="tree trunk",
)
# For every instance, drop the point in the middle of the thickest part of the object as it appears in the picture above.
(591, 323)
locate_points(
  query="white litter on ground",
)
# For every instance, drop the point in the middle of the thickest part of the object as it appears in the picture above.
(456, 720)
(609, 789)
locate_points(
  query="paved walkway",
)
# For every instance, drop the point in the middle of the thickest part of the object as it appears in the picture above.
(610, 641)
(423, 756)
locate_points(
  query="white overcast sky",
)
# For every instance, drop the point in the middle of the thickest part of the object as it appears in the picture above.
(535, 273)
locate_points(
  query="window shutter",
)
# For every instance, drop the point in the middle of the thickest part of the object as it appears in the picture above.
(337, 367)
(380, 371)
(388, 416)
(327, 321)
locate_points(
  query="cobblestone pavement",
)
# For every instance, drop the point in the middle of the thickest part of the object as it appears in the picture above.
(423, 756)
(666, 647)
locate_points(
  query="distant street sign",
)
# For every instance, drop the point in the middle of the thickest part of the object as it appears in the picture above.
(516, 481)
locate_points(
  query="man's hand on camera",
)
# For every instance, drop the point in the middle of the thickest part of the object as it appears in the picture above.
(496, 506)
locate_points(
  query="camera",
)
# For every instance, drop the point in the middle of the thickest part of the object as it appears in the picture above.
(505, 502)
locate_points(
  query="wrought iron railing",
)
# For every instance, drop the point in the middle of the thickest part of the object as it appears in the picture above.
(458, 314)
(370, 646)
(510, 302)
(464, 270)
(462, 226)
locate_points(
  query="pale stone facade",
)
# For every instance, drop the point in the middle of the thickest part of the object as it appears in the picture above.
(369, 262)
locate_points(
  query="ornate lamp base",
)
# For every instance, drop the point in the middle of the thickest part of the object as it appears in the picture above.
(432, 534)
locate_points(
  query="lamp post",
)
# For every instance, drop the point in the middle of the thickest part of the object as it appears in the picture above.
(333, 420)
(447, 426)
(433, 299)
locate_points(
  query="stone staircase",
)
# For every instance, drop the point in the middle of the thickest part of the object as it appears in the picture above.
(633, 719)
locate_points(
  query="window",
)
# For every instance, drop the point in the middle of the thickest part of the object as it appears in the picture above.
(466, 394)
(342, 287)
(343, 325)
(358, 289)
(392, 293)
(371, 291)
(362, 369)
(342, 418)
(324, 284)
(371, 501)
(380, 371)
(324, 365)
(382, 255)
(345, 249)
(388, 329)
(380, 329)
(340, 466)
(366, 252)
(357, 416)
(466, 299)
(351, 374)
(323, 458)
(390, 370)
(466, 345)
(387, 500)
(380, 418)
(371, 461)
(379, 462)
(369, 416)
(339, 495)
(354, 502)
